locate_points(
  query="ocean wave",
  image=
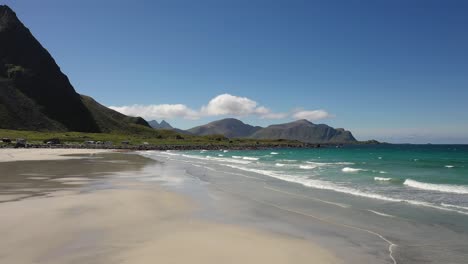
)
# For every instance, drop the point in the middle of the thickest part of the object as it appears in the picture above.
(250, 158)
(329, 163)
(382, 179)
(170, 153)
(220, 155)
(225, 151)
(307, 167)
(447, 188)
(216, 159)
(237, 157)
(280, 164)
(325, 185)
(274, 153)
(319, 184)
(348, 169)
(449, 166)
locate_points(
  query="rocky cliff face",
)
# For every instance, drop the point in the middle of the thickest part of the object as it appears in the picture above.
(36, 95)
(35, 74)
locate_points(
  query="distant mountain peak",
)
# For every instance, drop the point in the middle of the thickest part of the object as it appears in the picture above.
(229, 127)
(163, 125)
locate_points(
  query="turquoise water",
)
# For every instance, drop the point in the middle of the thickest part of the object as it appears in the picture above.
(434, 176)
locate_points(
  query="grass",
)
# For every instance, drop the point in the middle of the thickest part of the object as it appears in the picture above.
(157, 137)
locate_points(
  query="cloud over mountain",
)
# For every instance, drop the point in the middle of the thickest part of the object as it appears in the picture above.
(221, 105)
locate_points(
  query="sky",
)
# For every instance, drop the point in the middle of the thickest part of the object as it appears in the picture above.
(395, 71)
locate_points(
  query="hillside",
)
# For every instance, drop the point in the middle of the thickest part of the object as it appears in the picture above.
(305, 131)
(36, 95)
(229, 127)
(109, 120)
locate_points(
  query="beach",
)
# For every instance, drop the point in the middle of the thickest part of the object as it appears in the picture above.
(105, 207)
(222, 207)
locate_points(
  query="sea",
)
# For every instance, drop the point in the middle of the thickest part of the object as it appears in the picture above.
(413, 198)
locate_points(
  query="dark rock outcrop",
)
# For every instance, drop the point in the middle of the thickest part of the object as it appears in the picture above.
(35, 74)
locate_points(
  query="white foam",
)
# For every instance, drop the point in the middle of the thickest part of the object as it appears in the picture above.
(274, 153)
(329, 163)
(325, 185)
(454, 206)
(382, 179)
(381, 214)
(216, 159)
(382, 172)
(237, 157)
(380, 157)
(307, 167)
(280, 164)
(447, 188)
(38, 178)
(220, 155)
(449, 166)
(225, 151)
(348, 169)
(249, 158)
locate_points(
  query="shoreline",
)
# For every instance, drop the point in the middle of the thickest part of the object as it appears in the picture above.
(126, 220)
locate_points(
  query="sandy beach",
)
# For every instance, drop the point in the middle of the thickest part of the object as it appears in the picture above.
(105, 216)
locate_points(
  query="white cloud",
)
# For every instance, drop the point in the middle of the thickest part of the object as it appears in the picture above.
(312, 115)
(226, 104)
(162, 111)
(221, 105)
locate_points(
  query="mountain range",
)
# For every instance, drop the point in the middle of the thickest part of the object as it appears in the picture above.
(301, 130)
(36, 95)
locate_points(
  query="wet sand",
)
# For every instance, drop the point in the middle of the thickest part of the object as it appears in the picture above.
(97, 209)
(8, 155)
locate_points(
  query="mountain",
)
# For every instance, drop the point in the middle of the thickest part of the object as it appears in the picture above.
(36, 95)
(163, 125)
(305, 131)
(229, 127)
(301, 130)
(153, 124)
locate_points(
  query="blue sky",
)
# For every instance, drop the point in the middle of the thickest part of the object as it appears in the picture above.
(389, 70)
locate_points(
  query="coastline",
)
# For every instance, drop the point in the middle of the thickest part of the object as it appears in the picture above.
(103, 207)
